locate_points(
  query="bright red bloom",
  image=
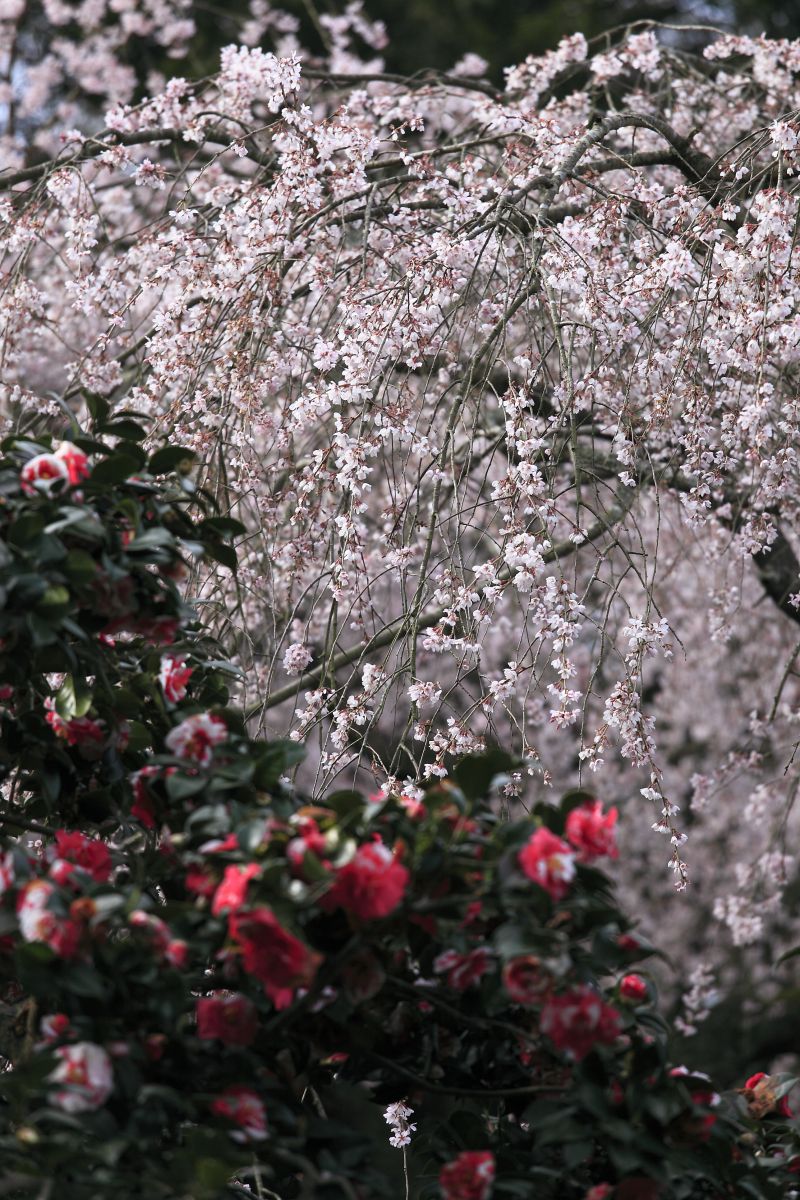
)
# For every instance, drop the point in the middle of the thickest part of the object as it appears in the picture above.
(592, 832)
(228, 1016)
(764, 1100)
(74, 460)
(463, 969)
(244, 1108)
(230, 895)
(371, 885)
(525, 980)
(90, 854)
(468, 1177)
(174, 677)
(577, 1021)
(276, 957)
(78, 731)
(200, 882)
(549, 862)
(633, 988)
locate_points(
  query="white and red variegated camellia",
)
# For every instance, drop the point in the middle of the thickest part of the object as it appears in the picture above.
(83, 1079)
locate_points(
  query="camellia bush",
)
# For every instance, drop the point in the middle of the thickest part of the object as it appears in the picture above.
(213, 986)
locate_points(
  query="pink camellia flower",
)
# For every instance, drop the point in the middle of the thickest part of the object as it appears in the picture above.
(468, 1177)
(84, 1076)
(174, 677)
(549, 862)
(525, 980)
(463, 969)
(195, 738)
(74, 849)
(371, 885)
(592, 832)
(600, 1191)
(576, 1021)
(230, 895)
(244, 1108)
(38, 923)
(177, 953)
(43, 473)
(633, 988)
(74, 460)
(274, 955)
(157, 930)
(228, 1016)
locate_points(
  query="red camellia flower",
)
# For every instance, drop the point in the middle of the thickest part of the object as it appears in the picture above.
(228, 1016)
(576, 1021)
(77, 731)
(371, 885)
(174, 677)
(90, 854)
(244, 1108)
(276, 957)
(42, 473)
(525, 980)
(633, 988)
(601, 1191)
(230, 895)
(74, 460)
(592, 832)
(195, 738)
(463, 969)
(549, 862)
(763, 1100)
(468, 1177)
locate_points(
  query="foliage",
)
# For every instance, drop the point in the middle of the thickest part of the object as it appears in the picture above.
(216, 984)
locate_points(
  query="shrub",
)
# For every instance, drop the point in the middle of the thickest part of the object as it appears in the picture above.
(212, 985)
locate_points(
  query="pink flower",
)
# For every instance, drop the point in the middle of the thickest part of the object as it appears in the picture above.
(633, 988)
(74, 460)
(601, 1191)
(43, 473)
(468, 1177)
(84, 1076)
(195, 738)
(549, 862)
(244, 1108)
(174, 677)
(576, 1021)
(371, 885)
(592, 832)
(463, 969)
(230, 895)
(177, 953)
(227, 1016)
(157, 930)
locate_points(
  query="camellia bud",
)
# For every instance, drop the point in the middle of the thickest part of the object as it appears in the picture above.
(633, 988)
